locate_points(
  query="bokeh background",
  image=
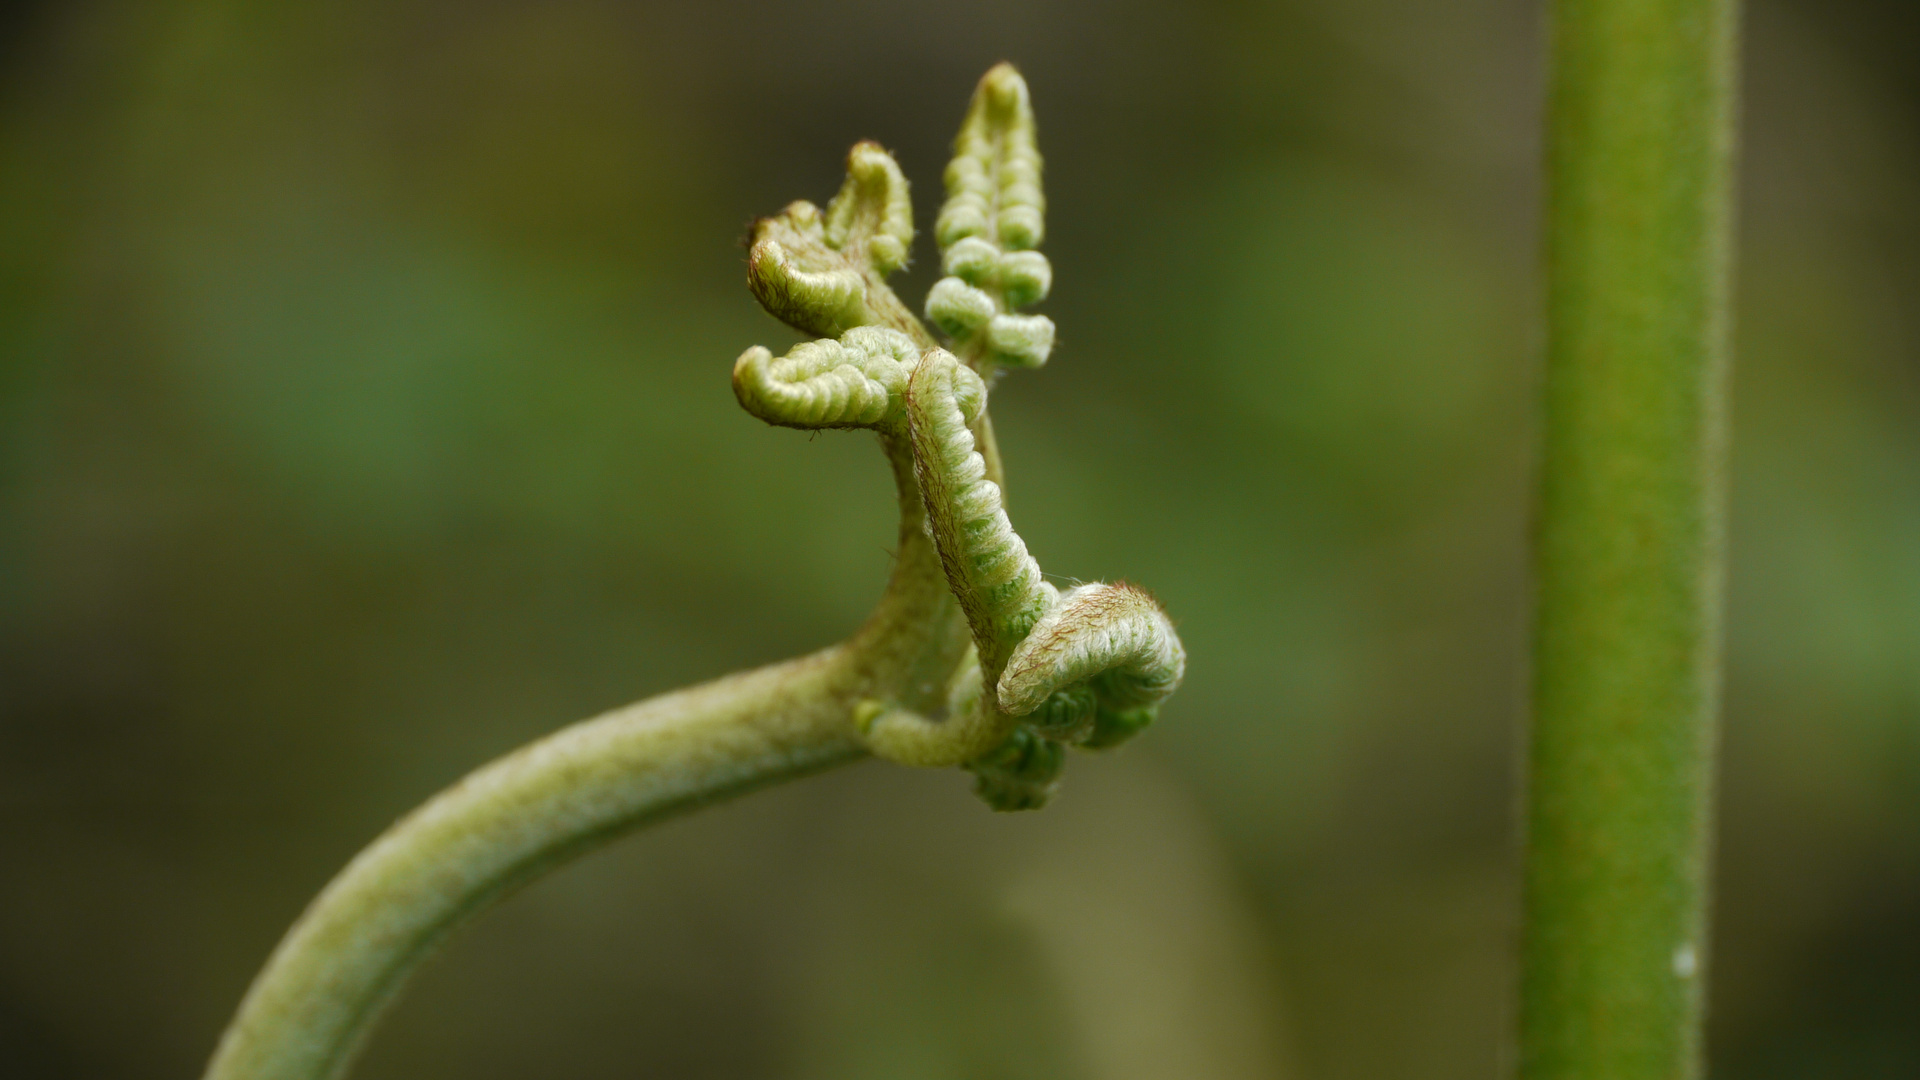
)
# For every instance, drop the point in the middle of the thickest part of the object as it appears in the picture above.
(364, 413)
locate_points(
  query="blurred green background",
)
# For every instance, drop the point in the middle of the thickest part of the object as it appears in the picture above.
(364, 413)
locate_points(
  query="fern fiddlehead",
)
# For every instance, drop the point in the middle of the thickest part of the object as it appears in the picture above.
(970, 659)
(825, 273)
(857, 381)
(1088, 668)
(994, 218)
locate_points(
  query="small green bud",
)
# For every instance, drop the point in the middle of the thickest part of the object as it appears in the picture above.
(1112, 727)
(866, 712)
(872, 217)
(1026, 277)
(1066, 716)
(972, 260)
(1021, 227)
(858, 381)
(1020, 340)
(959, 308)
(1020, 774)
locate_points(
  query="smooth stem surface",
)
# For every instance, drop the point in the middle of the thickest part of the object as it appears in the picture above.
(502, 826)
(1629, 539)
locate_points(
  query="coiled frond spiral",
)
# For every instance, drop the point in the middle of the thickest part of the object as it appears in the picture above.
(825, 273)
(858, 381)
(1087, 668)
(1097, 666)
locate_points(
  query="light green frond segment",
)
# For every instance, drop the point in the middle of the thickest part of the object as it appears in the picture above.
(1019, 340)
(960, 309)
(799, 279)
(1018, 278)
(872, 217)
(993, 219)
(993, 182)
(1114, 639)
(1022, 773)
(858, 381)
(997, 583)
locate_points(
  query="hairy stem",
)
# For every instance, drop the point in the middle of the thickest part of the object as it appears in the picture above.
(1629, 539)
(507, 823)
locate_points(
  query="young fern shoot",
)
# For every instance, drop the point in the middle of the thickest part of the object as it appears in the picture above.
(970, 659)
(1093, 665)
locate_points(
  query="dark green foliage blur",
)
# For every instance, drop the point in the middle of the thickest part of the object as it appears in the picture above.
(364, 414)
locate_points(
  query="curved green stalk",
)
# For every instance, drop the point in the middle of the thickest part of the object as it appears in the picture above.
(502, 826)
(576, 789)
(1629, 539)
(1093, 677)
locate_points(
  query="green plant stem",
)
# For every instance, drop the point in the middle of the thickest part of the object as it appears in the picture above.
(1101, 661)
(505, 824)
(1639, 153)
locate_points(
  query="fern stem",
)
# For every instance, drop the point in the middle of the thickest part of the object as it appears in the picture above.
(1639, 152)
(511, 821)
(503, 826)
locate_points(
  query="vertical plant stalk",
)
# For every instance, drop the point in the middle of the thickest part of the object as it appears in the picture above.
(1630, 535)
